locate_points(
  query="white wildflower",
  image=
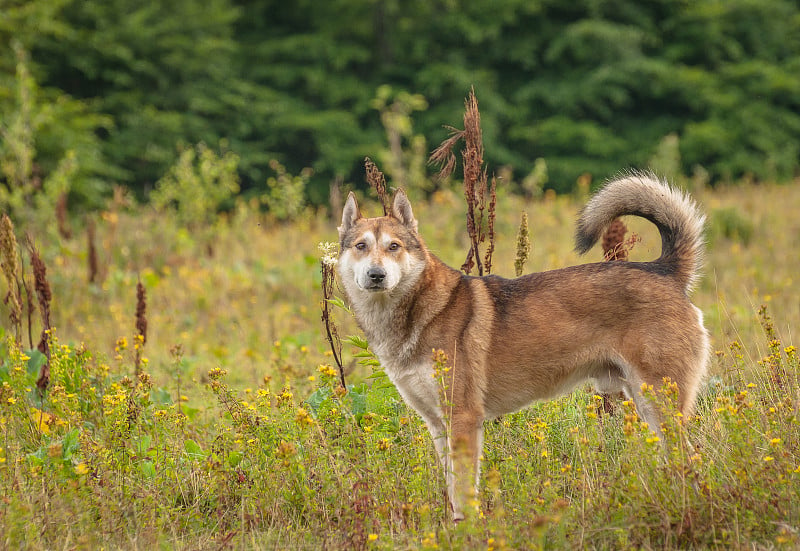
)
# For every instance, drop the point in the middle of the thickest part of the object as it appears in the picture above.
(330, 253)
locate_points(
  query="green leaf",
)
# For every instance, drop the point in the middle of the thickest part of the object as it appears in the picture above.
(147, 468)
(190, 412)
(234, 458)
(359, 398)
(36, 361)
(142, 445)
(193, 449)
(355, 340)
(70, 444)
(160, 397)
(320, 396)
(338, 302)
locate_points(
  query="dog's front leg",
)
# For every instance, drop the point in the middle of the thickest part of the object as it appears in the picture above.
(465, 443)
(442, 444)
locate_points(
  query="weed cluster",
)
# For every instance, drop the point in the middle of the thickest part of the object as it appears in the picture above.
(101, 458)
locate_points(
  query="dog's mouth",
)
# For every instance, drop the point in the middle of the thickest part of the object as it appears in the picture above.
(375, 287)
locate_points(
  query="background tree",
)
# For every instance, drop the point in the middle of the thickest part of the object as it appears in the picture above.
(586, 86)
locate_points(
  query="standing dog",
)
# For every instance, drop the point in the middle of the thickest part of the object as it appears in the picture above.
(512, 341)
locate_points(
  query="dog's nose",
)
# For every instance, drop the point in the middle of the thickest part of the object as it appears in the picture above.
(376, 275)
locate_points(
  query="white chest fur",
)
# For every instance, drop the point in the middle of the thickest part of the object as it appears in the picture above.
(420, 390)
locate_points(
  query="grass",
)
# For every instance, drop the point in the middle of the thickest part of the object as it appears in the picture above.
(235, 436)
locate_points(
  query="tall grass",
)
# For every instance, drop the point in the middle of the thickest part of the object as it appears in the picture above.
(236, 432)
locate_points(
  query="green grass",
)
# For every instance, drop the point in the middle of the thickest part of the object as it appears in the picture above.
(238, 439)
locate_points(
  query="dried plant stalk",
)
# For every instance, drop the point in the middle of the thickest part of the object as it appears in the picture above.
(31, 306)
(777, 371)
(44, 296)
(335, 198)
(328, 267)
(474, 180)
(377, 181)
(92, 251)
(487, 260)
(62, 219)
(475, 185)
(9, 258)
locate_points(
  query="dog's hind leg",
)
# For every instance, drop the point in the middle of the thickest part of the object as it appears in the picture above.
(646, 410)
(608, 379)
(629, 381)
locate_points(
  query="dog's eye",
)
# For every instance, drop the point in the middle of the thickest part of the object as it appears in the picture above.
(394, 246)
(361, 245)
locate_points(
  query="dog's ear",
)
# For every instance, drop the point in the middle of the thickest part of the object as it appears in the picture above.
(401, 209)
(350, 214)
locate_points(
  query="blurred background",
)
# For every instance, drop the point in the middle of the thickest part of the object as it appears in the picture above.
(111, 92)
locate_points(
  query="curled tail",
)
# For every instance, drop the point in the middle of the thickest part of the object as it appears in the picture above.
(673, 212)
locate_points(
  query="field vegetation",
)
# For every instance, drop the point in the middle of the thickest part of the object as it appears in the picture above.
(224, 424)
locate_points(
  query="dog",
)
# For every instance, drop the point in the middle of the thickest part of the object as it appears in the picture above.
(509, 342)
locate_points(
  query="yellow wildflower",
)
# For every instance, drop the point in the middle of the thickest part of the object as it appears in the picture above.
(327, 370)
(303, 417)
(122, 344)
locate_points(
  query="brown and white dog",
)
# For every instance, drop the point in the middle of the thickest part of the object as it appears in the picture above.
(512, 341)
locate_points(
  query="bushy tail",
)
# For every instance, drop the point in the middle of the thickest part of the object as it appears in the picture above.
(674, 213)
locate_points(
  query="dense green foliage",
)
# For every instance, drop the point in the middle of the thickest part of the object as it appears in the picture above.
(588, 86)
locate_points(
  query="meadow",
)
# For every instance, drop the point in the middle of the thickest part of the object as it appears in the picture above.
(233, 431)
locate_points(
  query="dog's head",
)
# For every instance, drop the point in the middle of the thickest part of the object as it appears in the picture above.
(382, 254)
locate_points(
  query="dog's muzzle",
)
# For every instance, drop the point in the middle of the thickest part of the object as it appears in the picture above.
(376, 279)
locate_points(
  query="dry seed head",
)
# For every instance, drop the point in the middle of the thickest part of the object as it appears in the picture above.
(40, 281)
(614, 241)
(9, 258)
(8, 248)
(473, 138)
(475, 184)
(141, 311)
(43, 294)
(523, 245)
(377, 181)
(487, 260)
(443, 156)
